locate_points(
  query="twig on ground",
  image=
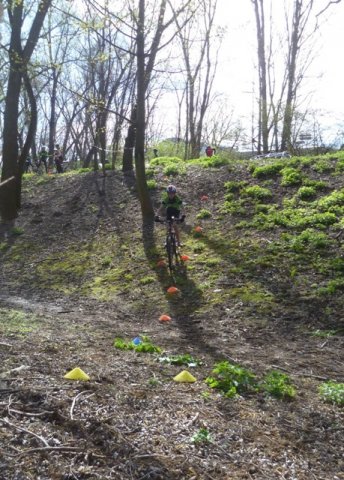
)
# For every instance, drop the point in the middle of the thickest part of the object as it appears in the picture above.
(21, 429)
(75, 399)
(18, 369)
(28, 414)
(50, 449)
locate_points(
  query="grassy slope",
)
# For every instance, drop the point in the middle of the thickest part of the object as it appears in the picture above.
(266, 271)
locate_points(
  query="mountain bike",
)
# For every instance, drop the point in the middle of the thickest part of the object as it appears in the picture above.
(171, 246)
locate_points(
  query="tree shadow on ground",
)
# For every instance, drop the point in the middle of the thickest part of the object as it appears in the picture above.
(183, 306)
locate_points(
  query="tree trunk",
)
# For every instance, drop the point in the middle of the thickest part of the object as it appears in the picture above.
(145, 201)
(129, 144)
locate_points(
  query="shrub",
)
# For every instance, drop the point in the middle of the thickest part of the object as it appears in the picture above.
(268, 170)
(163, 161)
(145, 345)
(306, 193)
(335, 199)
(332, 392)
(234, 186)
(231, 379)
(257, 192)
(174, 169)
(278, 385)
(204, 214)
(151, 184)
(324, 166)
(290, 177)
(310, 238)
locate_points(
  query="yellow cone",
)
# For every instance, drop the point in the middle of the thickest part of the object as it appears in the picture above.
(185, 377)
(77, 374)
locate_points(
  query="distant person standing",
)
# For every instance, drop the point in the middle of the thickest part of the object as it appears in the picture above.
(43, 157)
(28, 164)
(58, 159)
(156, 154)
(209, 151)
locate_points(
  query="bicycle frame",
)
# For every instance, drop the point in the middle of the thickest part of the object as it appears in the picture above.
(171, 244)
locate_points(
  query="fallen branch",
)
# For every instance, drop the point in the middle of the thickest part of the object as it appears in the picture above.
(50, 449)
(75, 399)
(41, 439)
(18, 369)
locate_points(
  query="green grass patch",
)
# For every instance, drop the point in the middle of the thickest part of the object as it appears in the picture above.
(17, 322)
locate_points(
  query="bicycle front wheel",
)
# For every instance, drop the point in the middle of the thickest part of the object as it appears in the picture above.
(169, 251)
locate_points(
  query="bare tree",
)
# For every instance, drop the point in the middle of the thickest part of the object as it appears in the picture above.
(197, 41)
(19, 57)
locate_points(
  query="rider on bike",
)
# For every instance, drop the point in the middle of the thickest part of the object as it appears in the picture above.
(171, 206)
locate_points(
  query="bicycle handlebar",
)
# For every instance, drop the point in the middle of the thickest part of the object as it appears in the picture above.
(173, 219)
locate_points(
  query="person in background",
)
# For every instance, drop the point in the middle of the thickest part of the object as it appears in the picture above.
(209, 151)
(28, 164)
(58, 159)
(43, 158)
(155, 151)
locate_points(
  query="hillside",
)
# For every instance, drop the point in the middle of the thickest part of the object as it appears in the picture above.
(262, 291)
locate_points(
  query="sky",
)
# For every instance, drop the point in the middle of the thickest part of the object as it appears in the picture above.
(238, 57)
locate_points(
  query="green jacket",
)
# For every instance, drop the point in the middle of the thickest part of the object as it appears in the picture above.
(175, 202)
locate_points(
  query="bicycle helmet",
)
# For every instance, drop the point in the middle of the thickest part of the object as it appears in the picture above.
(171, 189)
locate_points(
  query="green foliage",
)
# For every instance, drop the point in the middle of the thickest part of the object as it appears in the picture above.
(316, 184)
(332, 287)
(258, 193)
(306, 193)
(203, 214)
(173, 170)
(324, 333)
(332, 392)
(324, 166)
(308, 239)
(278, 385)
(185, 359)
(147, 280)
(234, 186)
(165, 161)
(290, 177)
(215, 161)
(266, 171)
(201, 437)
(151, 184)
(17, 231)
(3, 246)
(231, 379)
(146, 346)
(330, 202)
(83, 170)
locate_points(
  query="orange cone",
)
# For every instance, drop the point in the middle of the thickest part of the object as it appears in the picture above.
(184, 258)
(173, 290)
(198, 229)
(164, 319)
(204, 198)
